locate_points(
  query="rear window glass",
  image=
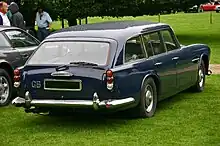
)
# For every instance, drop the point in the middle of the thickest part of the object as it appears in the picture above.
(3, 42)
(66, 52)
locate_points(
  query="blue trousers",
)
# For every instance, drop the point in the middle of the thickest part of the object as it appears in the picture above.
(42, 33)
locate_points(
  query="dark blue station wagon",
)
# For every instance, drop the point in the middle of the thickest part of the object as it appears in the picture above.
(110, 66)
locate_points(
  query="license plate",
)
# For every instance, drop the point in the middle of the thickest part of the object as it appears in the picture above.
(62, 85)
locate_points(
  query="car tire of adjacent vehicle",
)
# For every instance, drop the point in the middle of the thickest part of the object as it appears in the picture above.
(199, 86)
(200, 10)
(148, 99)
(217, 11)
(6, 87)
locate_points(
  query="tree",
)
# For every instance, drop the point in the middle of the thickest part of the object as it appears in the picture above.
(117, 8)
(79, 9)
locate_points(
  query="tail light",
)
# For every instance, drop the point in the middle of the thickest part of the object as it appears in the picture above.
(16, 78)
(109, 79)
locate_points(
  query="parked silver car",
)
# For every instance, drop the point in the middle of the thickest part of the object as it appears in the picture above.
(16, 45)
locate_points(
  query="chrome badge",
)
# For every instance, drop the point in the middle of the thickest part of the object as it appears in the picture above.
(36, 84)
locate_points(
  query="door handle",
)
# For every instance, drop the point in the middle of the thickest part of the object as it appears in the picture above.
(175, 58)
(195, 60)
(25, 56)
(134, 70)
(158, 63)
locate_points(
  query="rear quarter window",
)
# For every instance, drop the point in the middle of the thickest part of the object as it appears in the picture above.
(134, 50)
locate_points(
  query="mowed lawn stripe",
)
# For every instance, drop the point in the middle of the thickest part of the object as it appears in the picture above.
(185, 119)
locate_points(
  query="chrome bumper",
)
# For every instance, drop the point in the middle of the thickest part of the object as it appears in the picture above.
(95, 103)
(209, 72)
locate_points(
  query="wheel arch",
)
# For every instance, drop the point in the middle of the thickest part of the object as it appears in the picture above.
(205, 59)
(156, 79)
(8, 68)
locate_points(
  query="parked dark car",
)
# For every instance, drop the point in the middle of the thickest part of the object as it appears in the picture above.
(16, 46)
(110, 66)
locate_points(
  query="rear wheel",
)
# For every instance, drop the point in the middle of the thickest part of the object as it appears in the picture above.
(148, 99)
(5, 88)
(200, 83)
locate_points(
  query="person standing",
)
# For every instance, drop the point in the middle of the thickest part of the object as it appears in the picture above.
(17, 19)
(3, 16)
(9, 14)
(43, 21)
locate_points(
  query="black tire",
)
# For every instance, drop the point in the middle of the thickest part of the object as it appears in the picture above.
(7, 100)
(54, 113)
(201, 77)
(200, 9)
(217, 11)
(142, 110)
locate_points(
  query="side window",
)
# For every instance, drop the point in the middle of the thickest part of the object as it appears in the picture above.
(134, 50)
(153, 44)
(4, 42)
(120, 58)
(168, 40)
(20, 39)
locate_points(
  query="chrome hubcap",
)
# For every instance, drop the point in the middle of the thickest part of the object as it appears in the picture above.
(149, 98)
(201, 78)
(4, 89)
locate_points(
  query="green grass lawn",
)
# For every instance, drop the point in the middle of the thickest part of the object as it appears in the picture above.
(190, 28)
(186, 119)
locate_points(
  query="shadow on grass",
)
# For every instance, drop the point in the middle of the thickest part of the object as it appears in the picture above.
(174, 100)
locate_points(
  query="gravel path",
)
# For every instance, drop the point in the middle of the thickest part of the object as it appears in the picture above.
(215, 68)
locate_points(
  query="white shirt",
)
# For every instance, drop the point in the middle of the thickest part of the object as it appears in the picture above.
(44, 20)
(5, 19)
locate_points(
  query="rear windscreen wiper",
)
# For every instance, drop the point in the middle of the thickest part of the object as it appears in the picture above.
(93, 65)
(84, 63)
(62, 68)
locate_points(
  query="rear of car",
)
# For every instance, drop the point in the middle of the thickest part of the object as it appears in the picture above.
(210, 6)
(69, 73)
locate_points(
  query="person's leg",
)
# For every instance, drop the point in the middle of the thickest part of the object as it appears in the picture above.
(45, 33)
(40, 35)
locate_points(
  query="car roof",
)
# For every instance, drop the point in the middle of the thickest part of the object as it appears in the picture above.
(111, 29)
(2, 27)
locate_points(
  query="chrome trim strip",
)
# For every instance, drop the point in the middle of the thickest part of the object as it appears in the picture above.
(61, 74)
(59, 89)
(195, 60)
(61, 103)
(117, 103)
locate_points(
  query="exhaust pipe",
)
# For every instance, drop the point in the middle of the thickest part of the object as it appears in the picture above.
(35, 110)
